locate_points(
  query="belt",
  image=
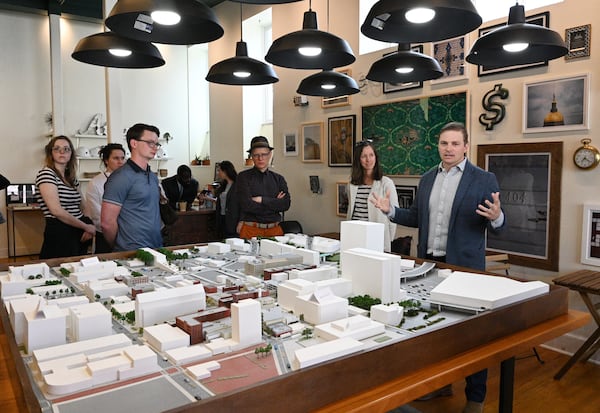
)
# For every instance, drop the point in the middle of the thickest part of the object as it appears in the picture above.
(260, 224)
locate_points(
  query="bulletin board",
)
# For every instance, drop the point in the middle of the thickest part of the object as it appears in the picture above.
(405, 133)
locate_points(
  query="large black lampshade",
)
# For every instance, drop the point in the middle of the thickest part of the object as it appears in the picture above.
(111, 50)
(517, 43)
(264, 1)
(134, 19)
(310, 48)
(329, 84)
(405, 66)
(391, 20)
(241, 70)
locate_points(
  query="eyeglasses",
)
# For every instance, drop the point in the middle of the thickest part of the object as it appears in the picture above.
(61, 149)
(364, 142)
(260, 155)
(151, 144)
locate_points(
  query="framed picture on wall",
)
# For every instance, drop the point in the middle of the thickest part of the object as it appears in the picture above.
(450, 54)
(578, 40)
(312, 141)
(590, 235)
(406, 195)
(341, 199)
(556, 104)
(389, 87)
(340, 139)
(541, 19)
(290, 144)
(337, 101)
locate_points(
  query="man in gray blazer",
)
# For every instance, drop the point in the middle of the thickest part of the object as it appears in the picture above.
(455, 204)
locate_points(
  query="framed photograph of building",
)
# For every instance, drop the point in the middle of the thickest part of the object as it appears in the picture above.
(341, 138)
(450, 54)
(312, 141)
(341, 199)
(529, 176)
(590, 235)
(397, 87)
(290, 144)
(406, 195)
(579, 41)
(556, 104)
(337, 101)
(541, 19)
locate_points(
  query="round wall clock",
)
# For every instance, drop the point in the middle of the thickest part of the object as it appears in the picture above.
(586, 156)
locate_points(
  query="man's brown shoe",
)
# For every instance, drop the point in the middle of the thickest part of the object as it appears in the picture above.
(473, 407)
(441, 392)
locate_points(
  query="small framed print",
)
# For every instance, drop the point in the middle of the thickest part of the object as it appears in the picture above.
(312, 142)
(389, 87)
(341, 199)
(290, 144)
(578, 41)
(337, 100)
(590, 235)
(406, 195)
(341, 139)
(450, 54)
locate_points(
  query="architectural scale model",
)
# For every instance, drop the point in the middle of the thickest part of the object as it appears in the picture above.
(207, 320)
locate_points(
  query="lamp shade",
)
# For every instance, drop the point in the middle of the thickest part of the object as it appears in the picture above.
(241, 70)
(387, 20)
(264, 1)
(405, 66)
(329, 50)
(534, 43)
(329, 84)
(102, 49)
(197, 24)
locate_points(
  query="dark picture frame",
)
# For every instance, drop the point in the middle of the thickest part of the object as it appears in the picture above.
(341, 199)
(406, 195)
(341, 138)
(590, 235)
(579, 41)
(529, 176)
(398, 87)
(541, 19)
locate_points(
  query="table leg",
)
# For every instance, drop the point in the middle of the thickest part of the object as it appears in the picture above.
(507, 381)
(588, 343)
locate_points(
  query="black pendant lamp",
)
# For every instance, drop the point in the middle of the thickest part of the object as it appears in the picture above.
(420, 21)
(517, 43)
(241, 69)
(264, 1)
(165, 21)
(405, 66)
(310, 48)
(329, 84)
(111, 50)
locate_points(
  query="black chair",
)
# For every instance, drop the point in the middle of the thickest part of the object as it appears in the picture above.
(291, 227)
(402, 245)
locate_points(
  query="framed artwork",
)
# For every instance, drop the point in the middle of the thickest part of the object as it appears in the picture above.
(397, 87)
(312, 142)
(450, 54)
(556, 105)
(405, 133)
(529, 176)
(590, 235)
(406, 195)
(341, 199)
(341, 139)
(338, 100)
(290, 144)
(578, 40)
(541, 19)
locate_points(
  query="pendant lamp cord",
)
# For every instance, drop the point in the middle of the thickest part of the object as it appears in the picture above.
(241, 36)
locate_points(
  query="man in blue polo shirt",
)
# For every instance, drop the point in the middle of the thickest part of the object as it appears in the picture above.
(130, 216)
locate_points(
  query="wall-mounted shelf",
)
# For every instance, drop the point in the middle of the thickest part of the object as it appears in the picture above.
(78, 136)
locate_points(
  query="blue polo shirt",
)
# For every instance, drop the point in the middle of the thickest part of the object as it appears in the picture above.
(136, 191)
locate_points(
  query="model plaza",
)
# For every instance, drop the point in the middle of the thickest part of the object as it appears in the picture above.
(207, 320)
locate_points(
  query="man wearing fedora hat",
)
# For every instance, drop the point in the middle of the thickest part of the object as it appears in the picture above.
(262, 193)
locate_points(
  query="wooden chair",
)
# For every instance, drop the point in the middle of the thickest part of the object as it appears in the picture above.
(497, 262)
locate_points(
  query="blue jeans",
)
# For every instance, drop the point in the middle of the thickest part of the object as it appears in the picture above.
(476, 386)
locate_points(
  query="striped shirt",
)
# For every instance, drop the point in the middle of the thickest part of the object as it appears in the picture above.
(70, 198)
(361, 203)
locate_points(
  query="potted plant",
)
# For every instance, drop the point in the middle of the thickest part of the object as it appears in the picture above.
(196, 160)
(206, 160)
(249, 161)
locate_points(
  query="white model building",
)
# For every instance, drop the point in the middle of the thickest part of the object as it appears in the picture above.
(46, 326)
(164, 337)
(361, 234)
(289, 290)
(16, 281)
(185, 355)
(104, 288)
(357, 327)
(18, 309)
(90, 269)
(203, 371)
(158, 306)
(89, 321)
(321, 306)
(480, 291)
(320, 353)
(325, 272)
(390, 315)
(246, 328)
(218, 247)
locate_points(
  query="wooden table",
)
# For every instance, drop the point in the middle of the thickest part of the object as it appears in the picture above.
(192, 227)
(585, 282)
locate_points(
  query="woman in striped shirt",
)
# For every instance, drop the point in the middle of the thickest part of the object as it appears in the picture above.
(67, 231)
(366, 178)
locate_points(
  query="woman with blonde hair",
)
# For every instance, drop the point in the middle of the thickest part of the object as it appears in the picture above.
(68, 232)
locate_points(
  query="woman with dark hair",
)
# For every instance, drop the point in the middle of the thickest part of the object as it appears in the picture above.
(68, 232)
(366, 179)
(228, 207)
(113, 157)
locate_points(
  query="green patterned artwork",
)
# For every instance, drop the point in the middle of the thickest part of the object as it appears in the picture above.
(405, 133)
